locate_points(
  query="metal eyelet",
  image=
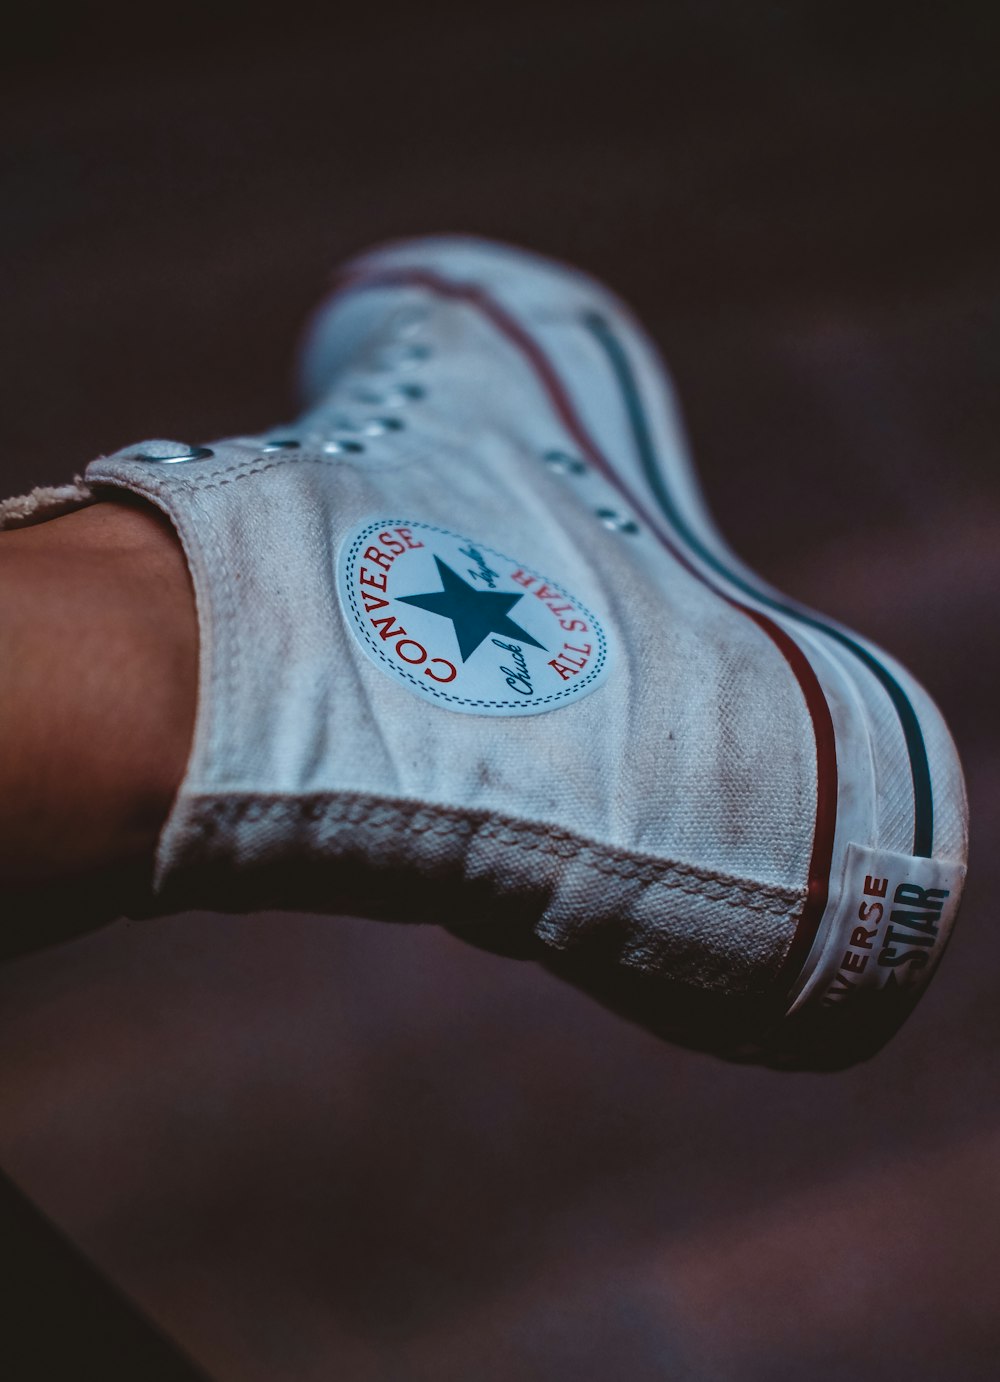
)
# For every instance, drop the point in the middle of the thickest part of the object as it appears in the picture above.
(413, 355)
(331, 448)
(617, 522)
(193, 453)
(390, 424)
(404, 394)
(353, 446)
(563, 463)
(282, 444)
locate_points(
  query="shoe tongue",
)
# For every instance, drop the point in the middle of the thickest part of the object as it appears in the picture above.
(366, 331)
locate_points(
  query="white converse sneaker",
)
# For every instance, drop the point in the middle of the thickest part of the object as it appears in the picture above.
(473, 652)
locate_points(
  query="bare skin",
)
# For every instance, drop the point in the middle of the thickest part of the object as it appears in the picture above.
(98, 681)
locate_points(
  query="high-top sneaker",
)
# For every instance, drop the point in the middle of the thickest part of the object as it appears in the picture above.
(473, 652)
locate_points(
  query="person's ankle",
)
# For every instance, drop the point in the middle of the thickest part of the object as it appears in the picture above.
(150, 554)
(100, 694)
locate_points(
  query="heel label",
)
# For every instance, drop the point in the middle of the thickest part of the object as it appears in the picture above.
(894, 919)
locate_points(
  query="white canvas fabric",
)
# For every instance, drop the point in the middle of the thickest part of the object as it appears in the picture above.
(543, 720)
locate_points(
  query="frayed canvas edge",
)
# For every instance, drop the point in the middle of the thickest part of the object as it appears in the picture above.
(45, 502)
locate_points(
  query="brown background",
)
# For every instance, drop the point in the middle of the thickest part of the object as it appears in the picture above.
(315, 1148)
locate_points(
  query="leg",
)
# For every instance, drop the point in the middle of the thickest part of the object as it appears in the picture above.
(98, 652)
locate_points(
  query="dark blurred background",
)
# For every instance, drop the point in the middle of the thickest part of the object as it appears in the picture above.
(317, 1148)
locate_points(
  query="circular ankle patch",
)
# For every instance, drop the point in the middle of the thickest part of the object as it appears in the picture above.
(464, 626)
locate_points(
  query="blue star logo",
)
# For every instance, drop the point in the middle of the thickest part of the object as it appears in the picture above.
(474, 613)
